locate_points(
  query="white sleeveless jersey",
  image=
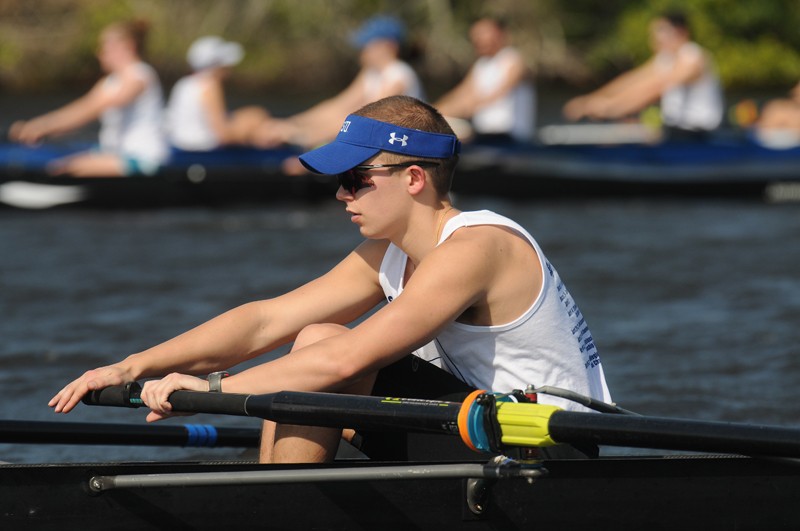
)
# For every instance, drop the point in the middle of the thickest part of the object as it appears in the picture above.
(549, 344)
(375, 80)
(187, 123)
(698, 105)
(136, 130)
(515, 112)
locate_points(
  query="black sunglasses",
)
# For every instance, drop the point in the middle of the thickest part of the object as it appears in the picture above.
(356, 178)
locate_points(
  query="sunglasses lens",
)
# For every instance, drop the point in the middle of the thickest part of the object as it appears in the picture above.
(346, 181)
(353, 181)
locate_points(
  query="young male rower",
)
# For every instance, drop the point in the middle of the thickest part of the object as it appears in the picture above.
(470, 293)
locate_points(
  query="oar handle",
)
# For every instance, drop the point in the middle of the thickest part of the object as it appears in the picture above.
(129, 395)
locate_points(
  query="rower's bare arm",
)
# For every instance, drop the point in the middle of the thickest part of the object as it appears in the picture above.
(602, 102)
(333, 109)
(515, 72)
(689, 66)
(74, 114)
(90, 106)
(448, 282)
(130, 86)
(347, 291)
(212, 100)
(644, 93)
(459, 102)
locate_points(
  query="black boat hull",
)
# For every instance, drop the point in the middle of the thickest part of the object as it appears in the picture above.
(672, 492)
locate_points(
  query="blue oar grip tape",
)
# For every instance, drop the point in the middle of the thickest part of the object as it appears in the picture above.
(200, 435)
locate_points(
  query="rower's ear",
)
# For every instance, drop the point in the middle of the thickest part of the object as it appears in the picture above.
(418, 180)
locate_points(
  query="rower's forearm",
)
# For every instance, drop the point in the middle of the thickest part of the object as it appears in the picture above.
(226, 340)
(619, 107)
(288, 373)
(329, 365)
(69, 117)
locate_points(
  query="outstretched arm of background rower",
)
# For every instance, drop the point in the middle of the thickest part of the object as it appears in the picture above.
(80, 112)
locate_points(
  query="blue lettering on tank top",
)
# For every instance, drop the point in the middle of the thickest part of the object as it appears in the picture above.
(580, 331)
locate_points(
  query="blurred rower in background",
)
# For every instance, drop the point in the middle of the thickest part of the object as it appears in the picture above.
(382, 74)
(197, 117)
(680, 73)
(779, 124)
(129, 104)
(497, 94)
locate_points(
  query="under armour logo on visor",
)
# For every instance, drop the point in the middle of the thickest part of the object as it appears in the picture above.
(393, 138)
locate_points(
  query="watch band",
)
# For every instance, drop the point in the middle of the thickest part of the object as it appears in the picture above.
(215, 381)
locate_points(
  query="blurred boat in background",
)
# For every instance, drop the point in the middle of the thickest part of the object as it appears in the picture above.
(616, 161)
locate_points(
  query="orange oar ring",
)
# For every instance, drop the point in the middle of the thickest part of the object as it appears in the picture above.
(463, 418)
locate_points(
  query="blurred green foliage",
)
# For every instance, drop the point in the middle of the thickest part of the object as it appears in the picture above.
(302, 46)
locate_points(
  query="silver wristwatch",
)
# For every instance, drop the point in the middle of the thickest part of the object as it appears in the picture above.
(215, 381)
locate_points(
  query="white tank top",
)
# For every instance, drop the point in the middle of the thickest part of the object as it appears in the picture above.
(515, 112)
(136, 130)
(187, 123)
(550, 344)
(697, 105)
(375, 80)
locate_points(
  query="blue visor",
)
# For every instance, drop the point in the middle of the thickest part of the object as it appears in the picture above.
(379, 27)
(361, 138)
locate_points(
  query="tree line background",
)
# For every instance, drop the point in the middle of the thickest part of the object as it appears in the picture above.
(302, 46)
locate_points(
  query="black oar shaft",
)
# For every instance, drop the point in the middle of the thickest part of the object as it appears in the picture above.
(674, 434)
(357, 412)
(530, 423)
(40, 432)
(312, 409)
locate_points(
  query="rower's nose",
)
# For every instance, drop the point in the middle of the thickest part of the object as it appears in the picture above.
(343, 195)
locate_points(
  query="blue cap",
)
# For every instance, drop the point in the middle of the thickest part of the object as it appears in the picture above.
(361, 138)
(379, 27)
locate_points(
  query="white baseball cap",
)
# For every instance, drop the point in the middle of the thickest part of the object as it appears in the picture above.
(211, 51)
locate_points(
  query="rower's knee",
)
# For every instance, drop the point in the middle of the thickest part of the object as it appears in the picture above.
(317, 332)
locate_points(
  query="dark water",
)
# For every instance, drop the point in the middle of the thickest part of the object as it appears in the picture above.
(694, 305)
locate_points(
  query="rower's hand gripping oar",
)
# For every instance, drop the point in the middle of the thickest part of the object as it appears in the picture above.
(129, 395)
(485, 422)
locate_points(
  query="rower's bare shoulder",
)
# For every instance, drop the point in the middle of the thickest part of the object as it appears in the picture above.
(473, 250)
(485, 236)
(489, 247)
(372, 252)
